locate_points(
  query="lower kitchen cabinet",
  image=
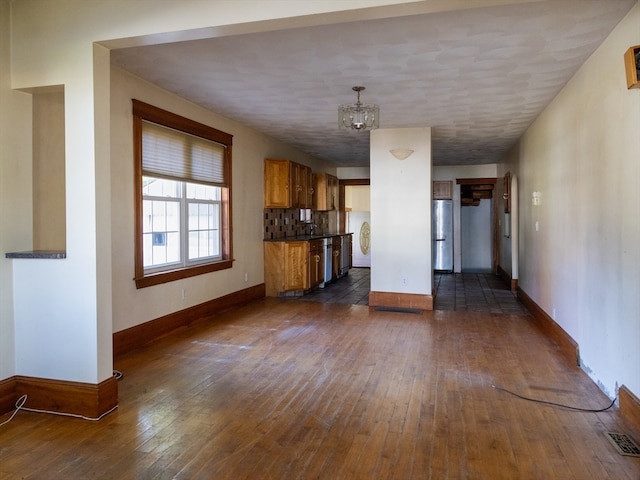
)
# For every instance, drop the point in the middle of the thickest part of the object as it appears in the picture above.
(336, 265)
(286, 267)
(292, 267)
(346, 253)
(316, 263)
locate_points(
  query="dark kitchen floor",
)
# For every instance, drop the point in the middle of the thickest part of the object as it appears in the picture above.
(352, 289)
(473, 292)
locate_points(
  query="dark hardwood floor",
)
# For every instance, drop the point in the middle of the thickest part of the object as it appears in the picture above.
(289, 389)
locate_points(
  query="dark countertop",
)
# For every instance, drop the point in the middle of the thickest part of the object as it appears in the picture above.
(47, 254)
(306, 238)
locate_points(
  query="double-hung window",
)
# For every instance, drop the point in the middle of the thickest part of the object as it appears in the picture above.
(183, 179)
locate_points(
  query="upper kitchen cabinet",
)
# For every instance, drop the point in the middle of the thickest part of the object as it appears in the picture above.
(325, 191)
(287, 184)
(303, 181)
(442, 190)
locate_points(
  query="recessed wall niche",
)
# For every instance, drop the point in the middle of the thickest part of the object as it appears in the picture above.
(632, 66)
(49, 202)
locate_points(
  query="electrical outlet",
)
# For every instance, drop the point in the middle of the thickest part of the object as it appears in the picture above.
(246, 277)
(404, 281)
(184, 293)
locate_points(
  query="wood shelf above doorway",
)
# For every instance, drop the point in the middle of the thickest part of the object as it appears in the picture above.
(472, 190)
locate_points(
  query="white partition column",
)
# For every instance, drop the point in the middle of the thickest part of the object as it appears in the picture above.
(62, 302)
(401, 263)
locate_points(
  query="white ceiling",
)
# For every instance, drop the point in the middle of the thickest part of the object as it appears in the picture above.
(478, 76)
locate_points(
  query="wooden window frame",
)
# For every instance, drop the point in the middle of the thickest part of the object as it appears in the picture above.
(145, 112)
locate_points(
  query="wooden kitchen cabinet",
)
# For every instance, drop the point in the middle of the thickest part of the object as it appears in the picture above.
(287, 184)
(316, 263)
(325, 192)
(303, 182)
(336, 264)
(286, 267)
(442, 190)
(347, 249)
(277, 178)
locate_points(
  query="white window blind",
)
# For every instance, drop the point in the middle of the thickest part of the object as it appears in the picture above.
(176, 155)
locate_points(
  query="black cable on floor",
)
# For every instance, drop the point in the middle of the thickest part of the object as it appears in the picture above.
(556, 404)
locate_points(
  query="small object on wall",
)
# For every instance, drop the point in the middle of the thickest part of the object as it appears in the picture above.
(506, 192)
(535, 199)
(632, 66)
(401, 153)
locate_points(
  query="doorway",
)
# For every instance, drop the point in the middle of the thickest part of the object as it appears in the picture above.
(476, 237)
(355, 217)
(479, 230)
(359, 223)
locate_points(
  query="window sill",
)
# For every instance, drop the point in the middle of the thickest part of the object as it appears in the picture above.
(173, 275)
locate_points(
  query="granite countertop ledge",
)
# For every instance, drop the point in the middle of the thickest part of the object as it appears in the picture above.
(46, 254)
(305, 238)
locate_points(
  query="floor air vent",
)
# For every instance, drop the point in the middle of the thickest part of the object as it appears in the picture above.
(623, 444)
(398, 310)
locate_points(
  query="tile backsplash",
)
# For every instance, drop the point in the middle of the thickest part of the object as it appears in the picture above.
(292, 222)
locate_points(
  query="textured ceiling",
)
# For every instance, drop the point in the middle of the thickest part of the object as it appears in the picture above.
(479, 76)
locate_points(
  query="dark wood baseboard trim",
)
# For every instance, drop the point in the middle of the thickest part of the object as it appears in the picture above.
(512, 283)
(76, 398)
(568, 346)
(629, 408)
(91, 400)
(8, 395)
(135, 337)
(504, 276)
(401, 300)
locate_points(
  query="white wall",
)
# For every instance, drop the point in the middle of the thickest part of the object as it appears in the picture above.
(357, 198)
(353, 173)
(582, 264)
(401, 212)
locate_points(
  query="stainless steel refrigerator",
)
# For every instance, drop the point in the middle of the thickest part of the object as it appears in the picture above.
(443, 235)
